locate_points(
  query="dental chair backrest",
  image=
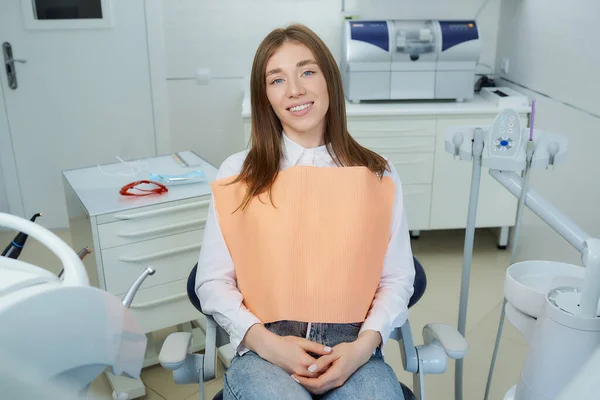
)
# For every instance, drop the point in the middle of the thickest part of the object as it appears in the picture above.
(57, 333)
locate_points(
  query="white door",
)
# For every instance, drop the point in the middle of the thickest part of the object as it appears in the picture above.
(4, 204)
(83, 96)
(4, 207)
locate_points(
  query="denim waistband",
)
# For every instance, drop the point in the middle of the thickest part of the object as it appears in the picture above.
(326, 334)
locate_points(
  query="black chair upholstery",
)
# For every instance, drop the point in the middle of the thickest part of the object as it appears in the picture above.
(420, 285)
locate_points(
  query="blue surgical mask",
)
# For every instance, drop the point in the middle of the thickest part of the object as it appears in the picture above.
(181, 179)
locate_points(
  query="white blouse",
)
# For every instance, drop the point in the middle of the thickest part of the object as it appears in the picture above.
(216, 284)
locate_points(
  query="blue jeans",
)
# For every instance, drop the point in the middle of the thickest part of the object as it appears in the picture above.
(252, 378)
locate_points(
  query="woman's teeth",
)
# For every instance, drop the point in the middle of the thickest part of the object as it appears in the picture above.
(302, 107)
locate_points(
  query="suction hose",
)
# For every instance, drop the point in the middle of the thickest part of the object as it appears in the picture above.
(520, 208)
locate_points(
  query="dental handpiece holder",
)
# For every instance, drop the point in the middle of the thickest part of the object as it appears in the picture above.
(505, 144)
(61, 333)
(554, 305)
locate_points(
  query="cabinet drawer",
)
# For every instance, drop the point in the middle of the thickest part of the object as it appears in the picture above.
(417, 199)
(382, 126)
(412, 168)
(163, 306)
(173, 257)
(137, 226)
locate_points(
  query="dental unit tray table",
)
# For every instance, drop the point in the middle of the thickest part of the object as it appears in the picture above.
(127, 234)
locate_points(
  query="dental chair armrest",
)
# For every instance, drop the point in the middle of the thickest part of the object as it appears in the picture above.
(174, 350)
(453, 343)
(403, 335)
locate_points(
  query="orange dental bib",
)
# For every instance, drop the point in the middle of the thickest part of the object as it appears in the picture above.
(318, 253)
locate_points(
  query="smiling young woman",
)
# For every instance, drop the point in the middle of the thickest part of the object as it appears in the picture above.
(310, 284)
(293, 67)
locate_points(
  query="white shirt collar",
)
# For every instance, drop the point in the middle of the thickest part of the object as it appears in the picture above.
(293, 151)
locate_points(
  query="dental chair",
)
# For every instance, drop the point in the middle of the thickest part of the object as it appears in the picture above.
(440, 341)
(58, 334)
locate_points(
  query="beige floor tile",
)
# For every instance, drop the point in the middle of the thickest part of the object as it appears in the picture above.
(442, 259)
(210, 390)
(101, 390)
(490, 324)
(161, 381)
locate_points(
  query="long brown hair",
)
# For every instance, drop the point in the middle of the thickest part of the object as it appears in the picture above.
(262, 163)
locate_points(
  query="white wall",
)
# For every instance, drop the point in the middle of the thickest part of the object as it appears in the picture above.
(223, 36)
(3, 198)
(4, 206)
(550, 46)
(9, 201)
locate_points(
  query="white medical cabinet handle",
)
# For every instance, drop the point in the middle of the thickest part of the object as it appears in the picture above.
(162, 229)
(162, 211)
(160, 254)
(75, 274)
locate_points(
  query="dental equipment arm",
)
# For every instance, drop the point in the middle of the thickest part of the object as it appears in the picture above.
(568, 312)
(559, 222)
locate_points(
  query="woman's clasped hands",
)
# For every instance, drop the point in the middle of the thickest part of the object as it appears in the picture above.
(335, 368)
(329, 370)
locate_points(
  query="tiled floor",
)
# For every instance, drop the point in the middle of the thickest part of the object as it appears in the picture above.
(441, 255)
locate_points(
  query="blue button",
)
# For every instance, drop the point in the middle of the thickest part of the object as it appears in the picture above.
(504, 143)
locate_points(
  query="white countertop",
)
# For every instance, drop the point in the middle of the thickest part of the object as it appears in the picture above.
(478, 105)
(98, 187)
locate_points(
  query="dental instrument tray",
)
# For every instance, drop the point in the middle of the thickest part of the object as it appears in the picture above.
(179, 179)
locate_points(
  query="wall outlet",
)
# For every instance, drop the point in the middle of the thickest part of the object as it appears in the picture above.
(504, 65)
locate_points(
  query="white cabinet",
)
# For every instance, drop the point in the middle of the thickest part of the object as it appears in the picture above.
(127, 234)
(436, 187)
(410, 145)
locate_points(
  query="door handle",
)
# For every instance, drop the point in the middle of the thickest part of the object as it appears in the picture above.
(9, 64)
